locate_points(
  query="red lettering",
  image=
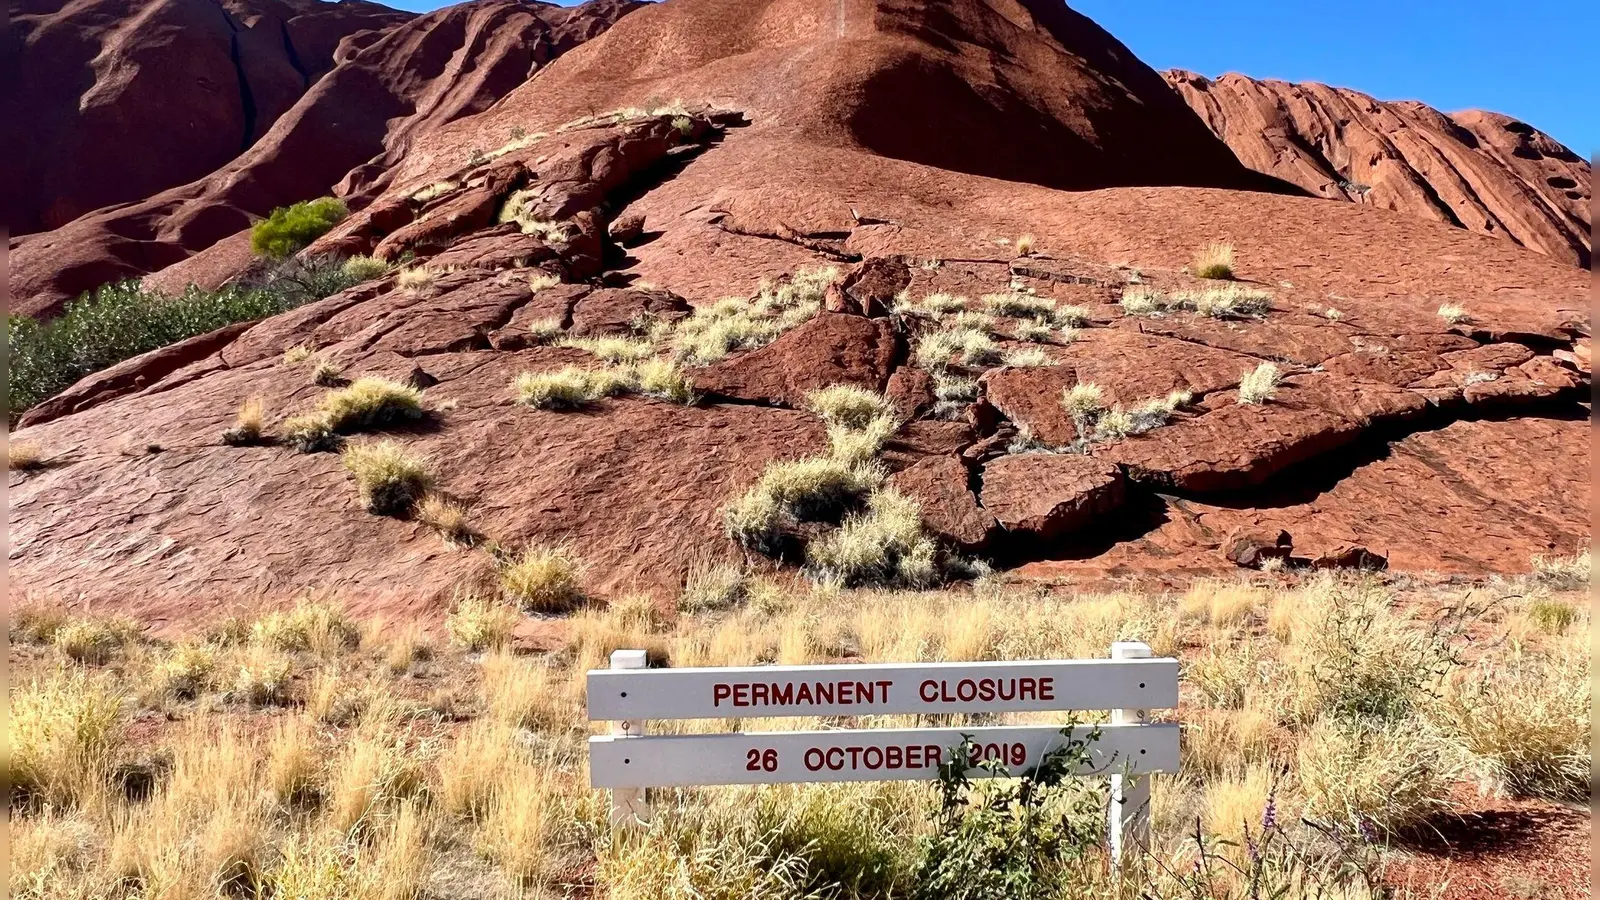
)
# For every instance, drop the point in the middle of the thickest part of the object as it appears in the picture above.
(1008, 689)
(835, 763)
(922, 691)
(931, 754)
(1025, 689)
(884, 687)
(894, 757)
(1047, 689)
(855, 757)
(813, 758)
(846, 695)
(783, 694)
(804, 694)
(986, 690)
(758, 693)
(944, 692)
(719, 693)
(864, 692)
(824, 693)
(967, 690)
(873, 757)
(741, 695)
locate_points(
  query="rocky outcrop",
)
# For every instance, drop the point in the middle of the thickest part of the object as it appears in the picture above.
(343, 134)
(117, 100)
(1481, 171)
(1438, 445)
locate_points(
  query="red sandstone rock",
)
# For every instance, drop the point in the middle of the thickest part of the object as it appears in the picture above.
(831, 348)
(1251, 548)
(939, 484)
(1479, 170)
(1050, 495)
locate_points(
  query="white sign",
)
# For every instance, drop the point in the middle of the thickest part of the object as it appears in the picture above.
(882, 689)
(781, 757)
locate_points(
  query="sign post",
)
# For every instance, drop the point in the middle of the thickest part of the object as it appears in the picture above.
(1128, 815)
(1129, 749)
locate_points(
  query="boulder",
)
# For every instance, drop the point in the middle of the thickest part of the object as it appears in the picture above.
(624, 311)
(1050, 495)
(830, 348)
(939, 484)
(1252, 547)
(1350, 556)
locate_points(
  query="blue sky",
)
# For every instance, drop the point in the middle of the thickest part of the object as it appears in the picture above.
(1524, 59)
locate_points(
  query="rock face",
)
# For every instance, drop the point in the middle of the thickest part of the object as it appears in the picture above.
(1434, 445)
(117, 100)
(1482, 171)
(344, 133)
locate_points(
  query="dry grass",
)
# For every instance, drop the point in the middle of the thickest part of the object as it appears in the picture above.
(389, 477)
(299, 353)
(791, 492)
(416, 279)
(1025, 245)
(1028, 358)
(480, 623)
(542, 579)
(367, 404)
(94, 640)
(571, 387)
(365, 268)
(247, 424)
(1213, 261)
(884, 545)
(1565, 573)
(614, 350)
(847, 405)
(1454, 314)
(318, 626)
(447, 517)
(327, 373)
(23, 456)
(1259, 385)
(734, 323)
(387, 797)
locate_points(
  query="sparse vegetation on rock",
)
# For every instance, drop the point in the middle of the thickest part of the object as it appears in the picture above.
(734, 323)
(541, 579)
(1213, 261)
(22, 456)
(247, 425)
(1454, 314)
(1259, 384)
(390, 478)
(367, 404)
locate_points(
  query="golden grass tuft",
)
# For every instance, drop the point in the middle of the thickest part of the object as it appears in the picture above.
(263, 677)
(1025, 245)
(297, 354)
(1213, 261)
(389, 477)
(480, 623)
(416, 279)
(93, 640)
(847, 405)
(315, 625)
(1028, 358)
(247, 425)
(1454, 314)
(66, 729)
(614, 350)
(542, 579)
(447, 517)
(521, 694)
(1386, 777)
(1259, 385)
(23, 456)
(364, 268)
(885, 545)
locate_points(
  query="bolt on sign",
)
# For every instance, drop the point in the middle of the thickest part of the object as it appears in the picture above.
(1129, 748)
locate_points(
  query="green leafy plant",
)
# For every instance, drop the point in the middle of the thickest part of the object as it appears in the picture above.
(1011, 839)
(290, 228)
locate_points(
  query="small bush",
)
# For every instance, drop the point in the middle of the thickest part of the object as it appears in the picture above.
(186, 670)
(121, 321)
(1025, 245)
(390, 478)
(663, 380)
(328, 374)
(613, 350)
(969, 346)
(1259, 385)
(540, 281)
(1524, 723)
(572, 388)
(1032, 331)
(365, 268)
(1232, 301)
(545, 332)
(246, 428)
(1551, 616)
(310, 625)
(1028, 357)
(1084, 402)
(1564, 573)
(1113, 424)
(847, 405)
(1018, 305)
(1138, 300)
(65, 732)
(22, 456)
(542, 579)
(35, 622)
(367, 404)
(1381, 778)
(713, 584)
(1214, 261)
(1454, 314)
(954, 388)
(479, 623)
(291, 228)
(1072, 316)
(263, 678)
(93, 641)
(804, 490)
(299, 353)
(885, 546)
(860, 445)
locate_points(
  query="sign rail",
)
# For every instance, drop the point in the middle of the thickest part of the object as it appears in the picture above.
(1128, 750)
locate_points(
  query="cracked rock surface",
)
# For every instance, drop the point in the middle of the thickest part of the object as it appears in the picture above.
(1444, 447)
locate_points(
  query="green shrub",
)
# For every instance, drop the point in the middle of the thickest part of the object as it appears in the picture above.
(365, 268)
(290, 228)
(120, 321)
